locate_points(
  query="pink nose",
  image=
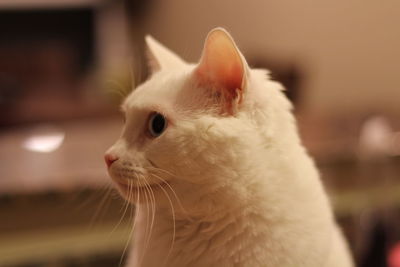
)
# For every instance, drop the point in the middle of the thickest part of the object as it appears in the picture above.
(109, 159)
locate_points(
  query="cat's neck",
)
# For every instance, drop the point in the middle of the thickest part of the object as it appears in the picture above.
(196, 236)
(243, 220)
(241, 235)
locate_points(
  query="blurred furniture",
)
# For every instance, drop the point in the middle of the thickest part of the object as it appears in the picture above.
(59, 205)
(57, 118)
(58, 58)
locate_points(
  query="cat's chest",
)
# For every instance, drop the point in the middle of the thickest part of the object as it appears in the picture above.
(227, 241)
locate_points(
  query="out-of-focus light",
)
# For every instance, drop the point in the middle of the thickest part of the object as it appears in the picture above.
(393, 259)
(44, 140)
(375, 138)
(395, 146)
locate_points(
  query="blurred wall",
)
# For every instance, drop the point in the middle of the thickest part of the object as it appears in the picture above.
(112, 38)
(348, 49)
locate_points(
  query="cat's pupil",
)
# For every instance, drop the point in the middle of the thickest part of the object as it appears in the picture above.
(157, 124)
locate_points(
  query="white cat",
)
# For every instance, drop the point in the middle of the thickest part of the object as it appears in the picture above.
(211, 157)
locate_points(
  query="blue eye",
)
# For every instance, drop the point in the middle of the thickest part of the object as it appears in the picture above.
(157, 124)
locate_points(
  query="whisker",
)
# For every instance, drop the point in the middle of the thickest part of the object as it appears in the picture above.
(137, 210)
(117, 88)
(148, 214)
(103, 189)
(154, 211)
(130, 183)
(147, 228)
(125, 207)
(152, 208)
(160, 169)
(100, 206)
(173, 192)
(173, 220)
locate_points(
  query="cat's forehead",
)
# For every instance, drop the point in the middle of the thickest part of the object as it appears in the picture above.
(159, 91)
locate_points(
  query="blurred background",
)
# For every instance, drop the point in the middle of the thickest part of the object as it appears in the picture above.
(66, 64)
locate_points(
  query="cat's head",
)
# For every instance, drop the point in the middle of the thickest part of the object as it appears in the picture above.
(195, 127)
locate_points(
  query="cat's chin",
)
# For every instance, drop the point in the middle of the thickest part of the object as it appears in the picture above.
(139, 194)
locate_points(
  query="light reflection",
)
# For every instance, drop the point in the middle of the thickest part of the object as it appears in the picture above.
(375, 137)
(378, 139)
(44, 140)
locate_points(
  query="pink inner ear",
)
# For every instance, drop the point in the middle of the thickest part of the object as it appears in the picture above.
(221, 66)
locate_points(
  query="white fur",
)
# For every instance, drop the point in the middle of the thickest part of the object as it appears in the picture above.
(249, 195)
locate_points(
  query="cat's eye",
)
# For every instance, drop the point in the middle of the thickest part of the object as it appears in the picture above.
(157, 124)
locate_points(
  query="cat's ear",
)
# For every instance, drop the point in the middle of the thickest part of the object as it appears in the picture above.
(159, 57)
(223, 69)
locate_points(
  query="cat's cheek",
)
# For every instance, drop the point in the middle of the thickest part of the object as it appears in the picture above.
(162, 151)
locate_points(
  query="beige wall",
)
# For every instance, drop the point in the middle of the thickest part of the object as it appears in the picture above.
(349, 49)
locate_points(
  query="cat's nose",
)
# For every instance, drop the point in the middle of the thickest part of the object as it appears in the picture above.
(109, 159)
